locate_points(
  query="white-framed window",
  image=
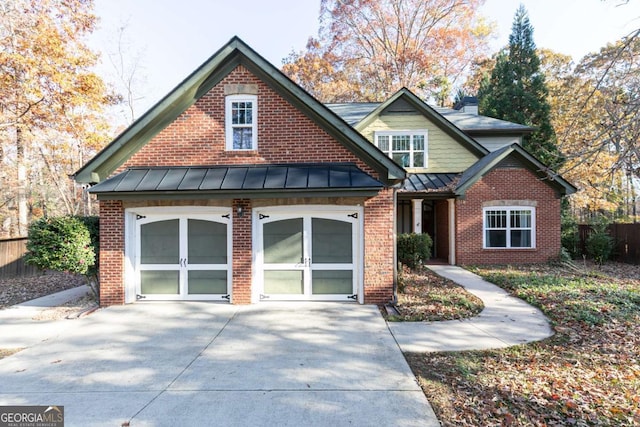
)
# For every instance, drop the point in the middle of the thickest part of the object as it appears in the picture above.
(241, 119)
(509, 227)
(406, 148)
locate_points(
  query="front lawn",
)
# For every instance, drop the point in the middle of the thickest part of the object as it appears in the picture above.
(587, 374)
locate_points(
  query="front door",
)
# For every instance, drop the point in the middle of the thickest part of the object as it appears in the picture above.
(308, 256)
(182, 257)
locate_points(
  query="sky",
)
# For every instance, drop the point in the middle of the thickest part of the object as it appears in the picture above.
(169, 39)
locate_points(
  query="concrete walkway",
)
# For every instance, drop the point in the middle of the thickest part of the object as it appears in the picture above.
(504, 322)
(19, 330)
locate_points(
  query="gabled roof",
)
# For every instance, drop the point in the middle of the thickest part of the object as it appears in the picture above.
(241, 181)
(474, 124)
(405, 96)
(221, 63)
(491, 160)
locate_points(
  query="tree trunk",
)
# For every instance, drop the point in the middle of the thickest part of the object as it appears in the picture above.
(21, 193)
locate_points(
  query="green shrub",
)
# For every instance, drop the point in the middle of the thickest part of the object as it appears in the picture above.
(414, 249)
(599, 243)
(61, 244)
(570, 236)
(93, 225)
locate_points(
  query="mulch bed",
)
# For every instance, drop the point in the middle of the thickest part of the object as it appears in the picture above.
(20, 289)
(425, 296)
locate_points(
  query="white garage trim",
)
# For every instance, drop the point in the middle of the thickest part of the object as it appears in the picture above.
(135, 218)
(301, 265)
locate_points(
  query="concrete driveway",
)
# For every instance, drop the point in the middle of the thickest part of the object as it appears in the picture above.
(197, 364)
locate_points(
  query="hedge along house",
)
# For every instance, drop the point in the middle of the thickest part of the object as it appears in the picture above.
(470, 185)
(239, 186)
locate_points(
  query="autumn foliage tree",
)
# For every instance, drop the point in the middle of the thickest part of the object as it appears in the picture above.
(597, 117)
(50, 107)
(368, 49)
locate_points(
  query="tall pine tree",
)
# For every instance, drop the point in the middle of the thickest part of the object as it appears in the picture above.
(517, 91)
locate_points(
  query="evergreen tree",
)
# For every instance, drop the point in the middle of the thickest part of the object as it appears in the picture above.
(517, 91)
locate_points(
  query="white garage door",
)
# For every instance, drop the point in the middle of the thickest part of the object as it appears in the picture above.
(308, 256)
(182, 257)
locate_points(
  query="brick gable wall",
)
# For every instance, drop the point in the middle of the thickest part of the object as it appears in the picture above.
(500, 185)
(285, 135)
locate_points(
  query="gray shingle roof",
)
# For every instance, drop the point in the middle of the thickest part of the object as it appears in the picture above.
(310, 177)
(353, 113)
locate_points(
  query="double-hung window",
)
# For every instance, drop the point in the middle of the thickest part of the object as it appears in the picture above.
(509, 227)
(241, 122)
(406, 148)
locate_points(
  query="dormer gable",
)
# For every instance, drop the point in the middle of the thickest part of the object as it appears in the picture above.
(417, 137)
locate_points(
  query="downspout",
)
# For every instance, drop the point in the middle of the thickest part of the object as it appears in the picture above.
(452, 231)
(394, 299)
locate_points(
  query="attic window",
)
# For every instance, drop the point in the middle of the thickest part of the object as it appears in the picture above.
(406, 148)
(241, 115)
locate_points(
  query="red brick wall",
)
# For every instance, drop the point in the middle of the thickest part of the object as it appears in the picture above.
(242, 253)
(507, 184)
(285, 135)
(379, 241)
(111, 252)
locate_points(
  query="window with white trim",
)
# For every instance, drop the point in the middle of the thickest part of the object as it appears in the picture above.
(241, 115)
(406, 148)
(509, 227)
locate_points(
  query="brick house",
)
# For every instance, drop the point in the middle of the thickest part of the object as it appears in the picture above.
(470, 184)
(239, 186)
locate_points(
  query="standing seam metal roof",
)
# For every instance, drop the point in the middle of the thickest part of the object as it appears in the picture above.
(429, 182)
(238, 178)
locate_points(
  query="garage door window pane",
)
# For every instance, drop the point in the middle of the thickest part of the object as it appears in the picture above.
(207, 242)
(332, 282)
(159, 282)
(283, 241)
(331, 241)
(159, 242)
(283, 282)
(207, 282)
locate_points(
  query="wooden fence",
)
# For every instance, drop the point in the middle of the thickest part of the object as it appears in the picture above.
(627, 240)
(12, 259)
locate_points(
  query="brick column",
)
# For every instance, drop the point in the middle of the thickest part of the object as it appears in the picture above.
(111, 253)
(242, 252)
